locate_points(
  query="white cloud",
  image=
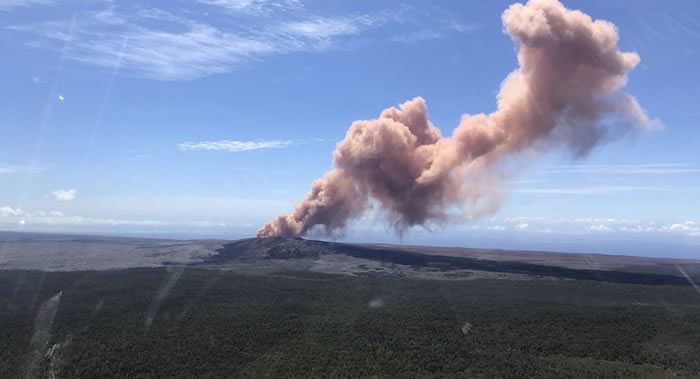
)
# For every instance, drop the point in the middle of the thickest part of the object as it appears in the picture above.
(689, 227)
(64, 195)
(524, 219)
(183, 209)
(603, 225)
(599, 228)
(575, 220)
(681, 227)
(9, 4)
(522, 226)
(7, 211)
(10, 215)
(61, 98)
(14, 216)
(604, 221)
(498, 228)
(203, 224)
(234, 146)
(78, 220)
(636, 229)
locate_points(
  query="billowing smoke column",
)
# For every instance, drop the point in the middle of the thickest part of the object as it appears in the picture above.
(566, 92)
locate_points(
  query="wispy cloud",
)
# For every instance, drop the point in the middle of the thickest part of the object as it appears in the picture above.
(656, 168)
(322, 28)
(182, 44)
(438, 31)
(686, 113)
(600, 190)
(254, 6)
(194, 50)
(64, 195)
(15, 169)
(162, 45)
(234, 146)
(415, 37)
(9, 4)
(463, 28)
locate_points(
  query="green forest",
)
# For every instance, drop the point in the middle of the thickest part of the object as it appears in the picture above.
(185, 322)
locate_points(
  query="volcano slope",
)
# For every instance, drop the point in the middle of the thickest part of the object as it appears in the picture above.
(52, 252)
(272, 254)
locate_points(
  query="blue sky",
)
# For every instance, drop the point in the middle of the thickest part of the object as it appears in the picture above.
(210, 117)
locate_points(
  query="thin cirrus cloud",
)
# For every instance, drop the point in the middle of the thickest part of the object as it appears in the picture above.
(601, 190)
(234, 146)
(655, 168)
(64, 195)
(9, 4)
(254, 6)
(433, 33)
(322, 28)
(174, 45)
(415, 37)
(679, 169)
(9, 169)
(187, 48)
